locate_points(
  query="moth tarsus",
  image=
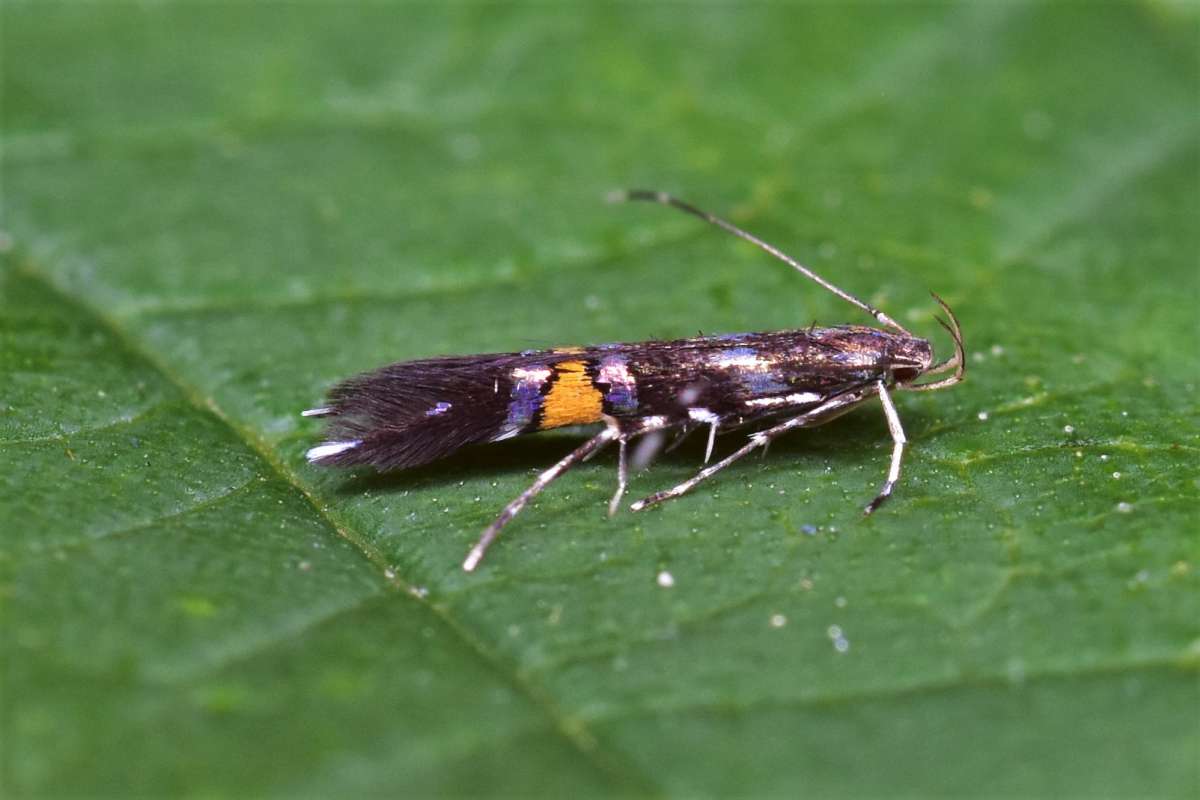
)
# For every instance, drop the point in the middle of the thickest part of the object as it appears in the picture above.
(414, 412)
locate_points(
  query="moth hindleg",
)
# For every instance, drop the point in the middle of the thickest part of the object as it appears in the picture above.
(813, 417)
(580, 453)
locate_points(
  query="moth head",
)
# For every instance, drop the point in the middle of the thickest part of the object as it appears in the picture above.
(906, 375)
(911, 358)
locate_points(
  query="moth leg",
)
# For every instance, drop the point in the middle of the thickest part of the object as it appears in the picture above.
(622, 476)
(512, 509)
(898, 440)
(712, 439)
(816, 416)
(757, 440)
(685, 431)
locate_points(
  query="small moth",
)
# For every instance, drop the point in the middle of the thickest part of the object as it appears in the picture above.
(414, 412)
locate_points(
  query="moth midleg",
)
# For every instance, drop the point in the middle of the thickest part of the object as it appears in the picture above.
(580, 453)
(816, 416)
(712, 439)
(898, 442)
(652, 427)
(622, 476)
(685, 430)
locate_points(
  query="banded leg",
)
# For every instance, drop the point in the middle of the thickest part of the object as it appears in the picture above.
(898, 442)
(816, 416)
(512, 509)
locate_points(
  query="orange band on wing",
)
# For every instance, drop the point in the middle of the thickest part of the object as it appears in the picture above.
(572, 400)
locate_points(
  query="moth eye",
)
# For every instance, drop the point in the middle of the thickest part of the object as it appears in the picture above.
(906, 374)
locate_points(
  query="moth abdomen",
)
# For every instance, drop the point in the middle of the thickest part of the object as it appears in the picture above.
(414, 412)
(411, 413)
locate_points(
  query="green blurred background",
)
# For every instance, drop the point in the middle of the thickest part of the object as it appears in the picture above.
(212, 211)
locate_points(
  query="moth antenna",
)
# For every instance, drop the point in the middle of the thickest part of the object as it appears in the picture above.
(729, 227)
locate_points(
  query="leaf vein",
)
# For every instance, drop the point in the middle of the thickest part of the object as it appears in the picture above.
(1185, 662)
(576, 734)
(87, 430)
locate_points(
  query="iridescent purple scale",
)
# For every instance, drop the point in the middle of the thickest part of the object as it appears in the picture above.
(525, 399)
(621, 394)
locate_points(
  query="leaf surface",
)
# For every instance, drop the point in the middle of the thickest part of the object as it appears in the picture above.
(213, 212)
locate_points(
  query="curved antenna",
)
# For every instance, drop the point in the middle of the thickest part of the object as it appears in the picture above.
(668, 200)
(957, 362)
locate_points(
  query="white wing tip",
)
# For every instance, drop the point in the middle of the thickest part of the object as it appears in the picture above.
(473, 559)
(329, 449)
(323, 411)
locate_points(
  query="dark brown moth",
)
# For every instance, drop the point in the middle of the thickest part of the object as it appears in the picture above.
(414, 412)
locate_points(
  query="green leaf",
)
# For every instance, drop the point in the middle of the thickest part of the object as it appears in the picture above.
(212, 212)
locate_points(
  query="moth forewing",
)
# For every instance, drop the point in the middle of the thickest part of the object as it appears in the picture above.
(410, 413)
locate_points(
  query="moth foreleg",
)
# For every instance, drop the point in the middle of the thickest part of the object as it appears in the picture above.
(512, 509)
(898, 442)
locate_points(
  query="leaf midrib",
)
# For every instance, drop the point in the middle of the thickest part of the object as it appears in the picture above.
(574, 731)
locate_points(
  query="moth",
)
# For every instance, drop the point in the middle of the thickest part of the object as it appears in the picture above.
(411, 413)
